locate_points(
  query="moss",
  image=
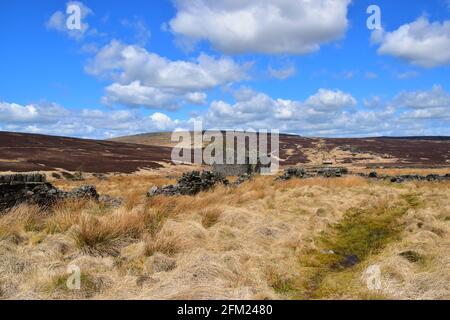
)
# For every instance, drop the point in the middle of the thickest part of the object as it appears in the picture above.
(89, 286)
(333, 267)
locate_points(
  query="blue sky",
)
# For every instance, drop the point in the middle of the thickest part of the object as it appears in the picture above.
(307, 67)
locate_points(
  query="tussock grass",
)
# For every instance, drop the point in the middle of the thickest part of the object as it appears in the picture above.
(107, 236)
(210, 216)
(264, 240)
(163, 242)
(19, 220)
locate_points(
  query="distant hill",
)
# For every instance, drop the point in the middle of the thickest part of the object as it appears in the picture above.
(21, 152)
(377, 151)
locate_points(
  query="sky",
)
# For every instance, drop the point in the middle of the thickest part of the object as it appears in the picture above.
(315, 68)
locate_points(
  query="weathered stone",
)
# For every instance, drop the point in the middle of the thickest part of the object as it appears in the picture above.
(110, 201)
(33, 189)
(327, 172)
(243, 178)
(293, 173)
(373, 175)
(86, 191)
(190, 183)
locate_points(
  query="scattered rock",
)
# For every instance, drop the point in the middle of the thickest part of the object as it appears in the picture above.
(373, 175)
(86, 191)
(327, 172)
(33, 189)
(190, 183)
(346, 262)
(243, 178)
(110, 201)
(408, 177)
(293, 173)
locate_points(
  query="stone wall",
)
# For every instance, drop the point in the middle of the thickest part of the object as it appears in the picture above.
(33, 189)
(230, 170)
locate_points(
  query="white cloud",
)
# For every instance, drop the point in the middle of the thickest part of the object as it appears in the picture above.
(57, 120)
(434, 98)
(283, 73)
(407, 75)
(262, 26)
(328, 100)
(421, 42)
(325, 113)
(258, 110)
(57, 21)
(16, 113)
(146, 79)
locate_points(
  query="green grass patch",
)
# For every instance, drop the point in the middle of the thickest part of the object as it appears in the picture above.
(332, 268)
(89, 286)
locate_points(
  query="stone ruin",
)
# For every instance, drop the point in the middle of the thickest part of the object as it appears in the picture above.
(250, 163)
(333, 172)
(34, 189)
(409, 177)
(190, 183)
(303, 173)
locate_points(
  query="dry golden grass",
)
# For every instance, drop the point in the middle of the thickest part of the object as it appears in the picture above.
(264, 240)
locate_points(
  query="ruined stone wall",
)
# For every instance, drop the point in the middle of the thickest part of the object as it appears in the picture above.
(229, 170)
(33, 189)
(17, 188)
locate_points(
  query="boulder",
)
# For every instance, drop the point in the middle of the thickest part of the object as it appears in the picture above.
(33, 189)
(326, 172)
(85, 191)
(190, 183)
(293, 173)
(110, 201)
(373, 175)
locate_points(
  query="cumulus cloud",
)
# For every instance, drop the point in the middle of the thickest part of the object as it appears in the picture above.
(16, 113)
(258, 110)
(283, 73)
(437, 97)
(92, 123)
(324, 113)
(421, 42)
(334, 113)
(328, 100)
(142, 78)
(58, 19)
(262, 26)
